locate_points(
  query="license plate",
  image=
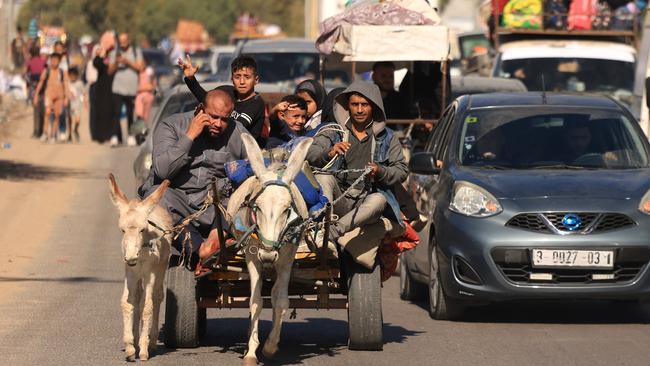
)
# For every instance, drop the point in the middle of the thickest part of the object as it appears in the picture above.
(573, 258)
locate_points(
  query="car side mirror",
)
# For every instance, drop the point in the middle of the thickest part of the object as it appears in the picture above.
(423, 163)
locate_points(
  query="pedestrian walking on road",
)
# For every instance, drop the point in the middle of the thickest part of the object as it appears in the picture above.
(18, 50)
(35, 67)
(77, 102)
(100, 91)
(146, 89)
(54, 84)
(126, 63)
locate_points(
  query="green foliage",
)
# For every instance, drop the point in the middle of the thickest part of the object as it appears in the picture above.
(155, 19)
(288, 14)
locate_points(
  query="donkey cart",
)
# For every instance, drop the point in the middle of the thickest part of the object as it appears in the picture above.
(313, 282)
(321, 278)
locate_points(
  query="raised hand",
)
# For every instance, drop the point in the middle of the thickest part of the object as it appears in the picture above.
(189, 70)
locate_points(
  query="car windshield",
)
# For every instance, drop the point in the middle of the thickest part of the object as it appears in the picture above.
(282, 67)
(550, 138)
(571, 74)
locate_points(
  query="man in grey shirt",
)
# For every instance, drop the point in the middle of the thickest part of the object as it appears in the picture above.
(126, 65)
(190, 149)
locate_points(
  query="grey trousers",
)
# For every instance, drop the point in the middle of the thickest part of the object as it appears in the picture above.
(354, 210)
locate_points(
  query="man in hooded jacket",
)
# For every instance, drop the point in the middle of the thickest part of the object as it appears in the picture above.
(366, 143)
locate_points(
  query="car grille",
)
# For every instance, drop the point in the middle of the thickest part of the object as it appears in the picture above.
(553, 222)
(515, 265)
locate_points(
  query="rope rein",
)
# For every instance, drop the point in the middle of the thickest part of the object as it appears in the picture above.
(310, 222)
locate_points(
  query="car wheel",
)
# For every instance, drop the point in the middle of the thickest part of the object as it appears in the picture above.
(441, 307)
(409, 289)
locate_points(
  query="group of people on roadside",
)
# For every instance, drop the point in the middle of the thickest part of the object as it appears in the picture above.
(114, 79)
(121, 85)
(57, 93)
(347, 125)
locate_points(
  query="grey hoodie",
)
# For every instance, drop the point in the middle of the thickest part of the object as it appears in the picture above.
(394, 170)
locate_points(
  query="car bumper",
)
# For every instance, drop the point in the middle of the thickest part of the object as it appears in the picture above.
(476, 241)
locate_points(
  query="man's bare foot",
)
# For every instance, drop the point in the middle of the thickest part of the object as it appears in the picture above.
(211, 245)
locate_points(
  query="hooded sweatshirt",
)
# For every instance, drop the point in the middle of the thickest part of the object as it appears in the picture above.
(383, 148)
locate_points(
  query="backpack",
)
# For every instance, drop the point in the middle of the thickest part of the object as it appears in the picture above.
(47, 77)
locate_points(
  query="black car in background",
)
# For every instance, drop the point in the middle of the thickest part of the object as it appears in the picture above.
(530, 196)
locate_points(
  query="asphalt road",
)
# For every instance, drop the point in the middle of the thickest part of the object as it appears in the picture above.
(64, 310)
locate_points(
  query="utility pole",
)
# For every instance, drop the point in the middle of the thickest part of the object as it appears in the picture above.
(4, 46)
(8, 14)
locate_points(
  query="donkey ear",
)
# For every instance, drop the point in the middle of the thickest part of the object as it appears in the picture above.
(297, 157)
(254, 155)
(155, 197)
(117, 196)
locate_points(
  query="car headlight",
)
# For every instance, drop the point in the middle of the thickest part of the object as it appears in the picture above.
(644, 205)
(471, 200)
(148, 162)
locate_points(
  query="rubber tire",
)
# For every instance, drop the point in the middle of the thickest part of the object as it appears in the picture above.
(182, 318)
(365, 320)
(441, 307)
(409, 290)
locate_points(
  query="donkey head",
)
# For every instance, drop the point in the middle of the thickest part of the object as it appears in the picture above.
(273, 206)
(133, 219)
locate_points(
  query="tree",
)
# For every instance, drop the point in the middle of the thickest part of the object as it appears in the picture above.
(288, 14)
(155, 19)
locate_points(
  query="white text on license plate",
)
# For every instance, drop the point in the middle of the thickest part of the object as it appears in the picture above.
(573, 258)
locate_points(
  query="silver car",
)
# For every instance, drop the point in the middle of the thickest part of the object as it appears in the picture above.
(530, 196)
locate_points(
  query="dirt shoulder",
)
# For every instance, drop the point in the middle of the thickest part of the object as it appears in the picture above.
(37, 181)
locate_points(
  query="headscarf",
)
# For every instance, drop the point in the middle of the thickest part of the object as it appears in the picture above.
(328, 105)
(315, 90)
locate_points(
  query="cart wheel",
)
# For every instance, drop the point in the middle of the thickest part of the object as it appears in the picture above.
(182, 314)
(365, 321)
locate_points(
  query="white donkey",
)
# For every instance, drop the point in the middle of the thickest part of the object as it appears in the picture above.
(275, 202)
(146, 250)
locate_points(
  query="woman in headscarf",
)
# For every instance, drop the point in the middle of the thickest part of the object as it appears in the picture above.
(314, 94)
(328, 105)
(100, 92)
